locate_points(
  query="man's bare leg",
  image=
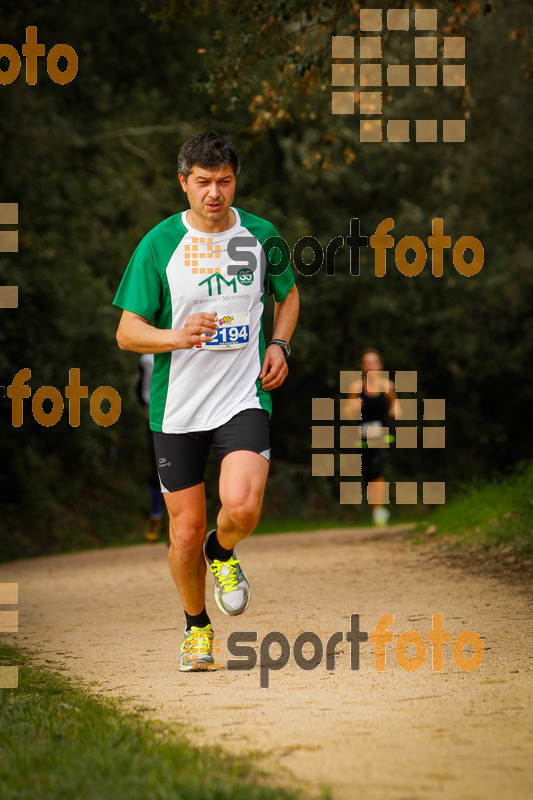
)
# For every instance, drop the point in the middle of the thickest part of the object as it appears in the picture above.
(188, 526)
(376, 498)
(376, 492)
(243, 476)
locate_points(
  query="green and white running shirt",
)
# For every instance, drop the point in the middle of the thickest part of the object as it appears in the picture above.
(176, 271)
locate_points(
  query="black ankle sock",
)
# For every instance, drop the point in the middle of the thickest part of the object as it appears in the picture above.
(198, 620)
(215, 550)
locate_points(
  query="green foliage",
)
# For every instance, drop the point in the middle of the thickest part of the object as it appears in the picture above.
(497, 514)
(92, 166)
(58, 741)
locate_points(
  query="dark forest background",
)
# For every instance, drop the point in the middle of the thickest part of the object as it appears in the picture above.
(92, 165)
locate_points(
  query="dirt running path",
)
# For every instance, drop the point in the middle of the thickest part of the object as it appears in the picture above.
(112, 617)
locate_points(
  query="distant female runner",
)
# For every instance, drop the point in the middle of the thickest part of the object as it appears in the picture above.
(373, 401)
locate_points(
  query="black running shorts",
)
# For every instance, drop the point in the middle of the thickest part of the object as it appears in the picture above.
(373, 461)
(182, 457)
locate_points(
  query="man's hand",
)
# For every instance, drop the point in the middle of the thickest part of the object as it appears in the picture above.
(198, 328)
(274, 369)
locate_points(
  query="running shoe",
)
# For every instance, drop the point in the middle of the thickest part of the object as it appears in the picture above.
(197, 650)
(380, 516)
(232, 590)
(153, 529)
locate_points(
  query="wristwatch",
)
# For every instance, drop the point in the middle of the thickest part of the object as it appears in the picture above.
(285, 346)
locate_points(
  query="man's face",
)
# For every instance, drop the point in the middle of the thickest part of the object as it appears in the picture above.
(210, 192)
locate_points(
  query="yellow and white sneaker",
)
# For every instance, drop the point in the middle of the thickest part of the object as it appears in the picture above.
(197, 650)
(232, 590)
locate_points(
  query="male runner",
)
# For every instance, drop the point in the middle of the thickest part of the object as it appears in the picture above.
(193, 294)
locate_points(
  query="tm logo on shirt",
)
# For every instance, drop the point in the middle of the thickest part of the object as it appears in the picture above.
(218, 279)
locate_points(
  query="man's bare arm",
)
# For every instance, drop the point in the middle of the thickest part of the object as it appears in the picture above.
(274, 369)
(135, 333)
(395, 410)
(286, 316)
(351, 408)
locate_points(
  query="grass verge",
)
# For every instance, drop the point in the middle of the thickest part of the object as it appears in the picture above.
(495, 517)
(58, 741)
(295, 524)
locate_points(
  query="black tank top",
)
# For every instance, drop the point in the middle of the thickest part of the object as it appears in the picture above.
(374, 407)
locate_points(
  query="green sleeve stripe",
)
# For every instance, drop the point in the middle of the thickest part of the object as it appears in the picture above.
(280, 295)
(141, 285)
(279, 277)
(144, 290)
(265, 399)
(142, 312)
(162, 361)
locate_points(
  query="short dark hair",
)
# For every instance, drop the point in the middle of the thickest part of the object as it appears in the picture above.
(209, 151)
